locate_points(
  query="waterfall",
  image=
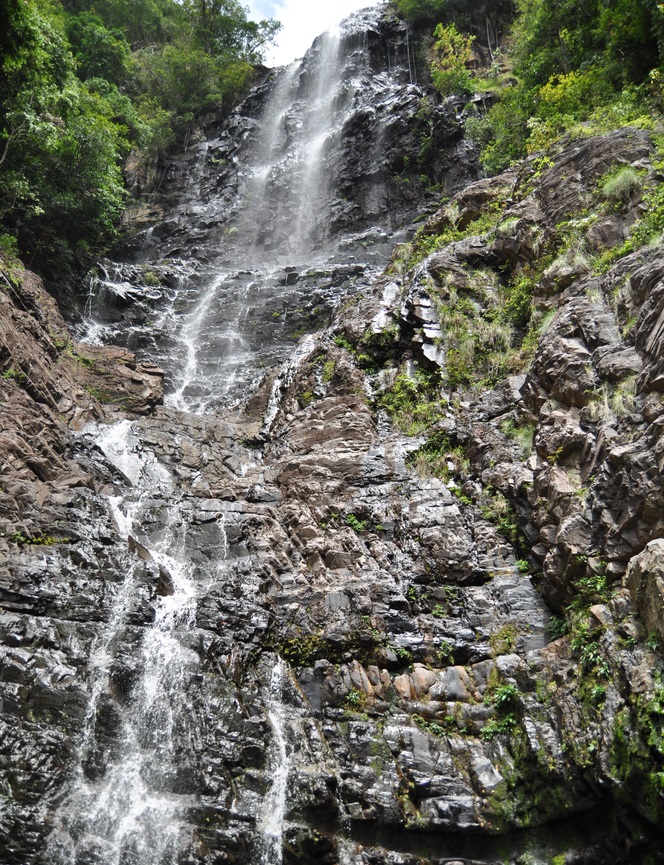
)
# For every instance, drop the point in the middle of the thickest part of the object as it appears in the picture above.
(271, 821)
(131, 808)
(217, 320)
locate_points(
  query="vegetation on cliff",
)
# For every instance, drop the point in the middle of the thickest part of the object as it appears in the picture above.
(82, 82)
(577, 65)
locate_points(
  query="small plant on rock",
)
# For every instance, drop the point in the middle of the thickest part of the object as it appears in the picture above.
(356, 700)
(356, 524)
(621, 186)
(14, 375)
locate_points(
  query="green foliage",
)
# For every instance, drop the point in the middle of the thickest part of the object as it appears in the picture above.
(439, 458)
(637, 751)
(184, 80)
(99, 52)
(466, 15)
(301, 649)
(653, 642)
(486, 321)
(14, 375)
(648, 228)
(575, 61)
(504, 130)
(498, 726)
(503, 697)
(74, 101)
(431, 727)
(9, 251)
(589, 589)
(620, 186)
(425, 243)
(497, 510)
(522, 434)
(429, 11)
(403, 654)
(412, 402)
(356, 701)
(343, 342)
(449, 71)
(356, 524)
(504, 700)
(445, 651)
(36, 540)
(557, 627)
(61, 186)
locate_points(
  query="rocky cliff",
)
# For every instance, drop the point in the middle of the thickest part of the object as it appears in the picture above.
(387, 590)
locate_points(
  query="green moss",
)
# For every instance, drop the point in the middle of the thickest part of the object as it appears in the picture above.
(100, 394)
(503, 641)
(83, 360)
(637, 753)
(301, 649)
(150, 278)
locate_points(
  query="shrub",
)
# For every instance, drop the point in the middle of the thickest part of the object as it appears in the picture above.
(621, 186)
(450, 72)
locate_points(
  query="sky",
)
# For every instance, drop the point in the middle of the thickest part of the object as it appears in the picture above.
(302, 21)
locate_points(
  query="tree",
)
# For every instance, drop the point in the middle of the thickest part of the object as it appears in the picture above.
(61, 184)
(221, 28)
(98, 51)
(449, 71)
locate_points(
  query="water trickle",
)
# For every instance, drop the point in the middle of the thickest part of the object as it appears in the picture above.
(283, 379)
(271, 822)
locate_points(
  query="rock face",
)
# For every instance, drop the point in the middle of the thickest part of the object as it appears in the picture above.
(311, 612)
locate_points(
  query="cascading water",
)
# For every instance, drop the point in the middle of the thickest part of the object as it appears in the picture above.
(220, 323)
(130, 808)
(245, 301)
(271, 822)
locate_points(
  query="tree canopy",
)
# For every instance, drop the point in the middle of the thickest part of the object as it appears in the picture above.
(565, 62)
(84, 81)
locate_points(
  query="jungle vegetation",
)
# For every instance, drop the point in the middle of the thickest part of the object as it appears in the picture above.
(580, 66)
(82, 83)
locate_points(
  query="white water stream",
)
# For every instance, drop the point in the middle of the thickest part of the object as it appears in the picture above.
(133, 811)
(128, 803)
(271, 822)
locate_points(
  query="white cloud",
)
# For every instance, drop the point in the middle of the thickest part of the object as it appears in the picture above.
(302, 21)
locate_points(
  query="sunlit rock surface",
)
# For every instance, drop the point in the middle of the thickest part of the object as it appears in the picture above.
(241, 627)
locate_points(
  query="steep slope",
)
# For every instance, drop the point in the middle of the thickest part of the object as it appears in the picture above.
(311, 611)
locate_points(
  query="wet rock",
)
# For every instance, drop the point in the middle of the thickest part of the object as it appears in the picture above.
(645, 580)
